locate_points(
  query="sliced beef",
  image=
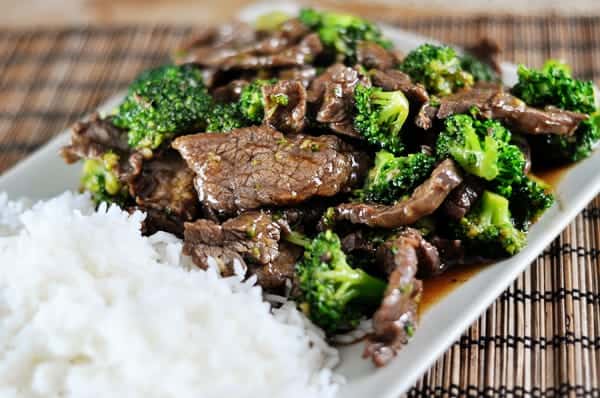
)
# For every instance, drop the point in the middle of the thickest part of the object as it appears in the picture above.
(396, 319)
(393, 80)
(463, 100)
(358, 241)
(252, 241)
(528, 120)
(462, 198)
(425, 199)
(290, 46)
(297, 55)
(275, 275)
(451, 251)
(426, 115)
(212, 46)
(303, 74)
(488, 51)
(332, 93)
(496, 104)
(229, 92)
(166, 185)
(302, 218)
(252, 236)
(258, 166)
(95, 137)
(372, 56)
(285, 105)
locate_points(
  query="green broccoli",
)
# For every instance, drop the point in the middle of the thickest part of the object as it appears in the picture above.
(393, 177)
(162, 103)
(480, 71)
(438, 68)
(100, 179)
(469, 143)
(488, 228)
(225, 117)
(554, 85)
(334, 295)
(252, 103)
(341, 33)
(380, 115)
(529, 199)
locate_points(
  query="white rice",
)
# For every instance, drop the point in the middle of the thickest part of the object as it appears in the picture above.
(90, 308)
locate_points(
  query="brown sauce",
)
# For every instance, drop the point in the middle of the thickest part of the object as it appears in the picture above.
(438, 287)
(552, 176)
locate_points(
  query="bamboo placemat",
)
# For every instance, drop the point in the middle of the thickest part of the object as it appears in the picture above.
(541, 338)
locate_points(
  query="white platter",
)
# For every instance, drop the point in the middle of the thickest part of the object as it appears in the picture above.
(44, 174)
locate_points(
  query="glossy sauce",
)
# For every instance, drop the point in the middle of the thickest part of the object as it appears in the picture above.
(438, 287)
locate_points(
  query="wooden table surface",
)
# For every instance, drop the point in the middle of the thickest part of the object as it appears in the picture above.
(62, 12)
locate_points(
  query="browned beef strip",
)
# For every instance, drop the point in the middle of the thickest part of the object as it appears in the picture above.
(462, 198)
(496, 104)
(372, 56)
(166, 185)
(210, 47)
(488, 51)
(357, 241)
(258, 166)
(395, 320)
(274, 276)
(463, 100)
(92, 138)
(303, 74)
(229, 92)
(252, 235)
(332, 95)
(425, 199)
(528, 120)
(426, 115)
(288, 117)
(252, 240)
(393, 79)
(234, 47)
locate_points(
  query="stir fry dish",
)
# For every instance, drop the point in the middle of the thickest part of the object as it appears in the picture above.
(309, 153)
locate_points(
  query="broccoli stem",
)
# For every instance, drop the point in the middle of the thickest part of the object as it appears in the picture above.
(357, 284)
(298, 239)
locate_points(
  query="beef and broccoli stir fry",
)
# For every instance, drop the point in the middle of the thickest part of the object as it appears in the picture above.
(311, 153)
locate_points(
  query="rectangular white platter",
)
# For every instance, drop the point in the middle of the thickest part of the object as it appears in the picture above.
(44, 174)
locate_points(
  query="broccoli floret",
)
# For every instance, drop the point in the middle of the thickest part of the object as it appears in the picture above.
(393, 177)
(554, 148)
(554, 85)
(380, 115)
(467, 141)
(100, 179)
(438, 68)
(162, 103)
(488, 229)
(528, 201)
(333, 294)
(511, 164)
(252, 103)
(341, 33)
(225, 117)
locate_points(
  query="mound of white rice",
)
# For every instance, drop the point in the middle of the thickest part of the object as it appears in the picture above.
(90, 308)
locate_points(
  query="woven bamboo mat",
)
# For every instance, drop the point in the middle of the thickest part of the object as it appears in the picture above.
(541, 338)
